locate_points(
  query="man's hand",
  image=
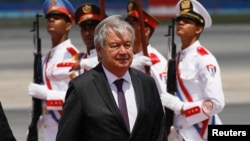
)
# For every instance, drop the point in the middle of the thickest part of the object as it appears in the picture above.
(76, 66)
(38, 91)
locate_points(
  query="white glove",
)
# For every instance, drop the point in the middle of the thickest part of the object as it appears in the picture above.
(140, 62)
(171, 102)
(38, 91)
(89, 63)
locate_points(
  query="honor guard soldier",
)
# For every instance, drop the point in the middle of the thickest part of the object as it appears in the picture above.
(199, 97)
(155, 59)
(56, 76)
(87, 16)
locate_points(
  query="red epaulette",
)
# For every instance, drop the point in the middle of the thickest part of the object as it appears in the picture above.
(202, 51)
(72, 51)
(154, 58)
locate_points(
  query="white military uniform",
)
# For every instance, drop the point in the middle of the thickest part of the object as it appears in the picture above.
(59, 78)
(56, 77)
(158, 69)
(199, 84)
(199, 87)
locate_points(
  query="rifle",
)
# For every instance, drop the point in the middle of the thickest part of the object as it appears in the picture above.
(142, 27)
(171, 75)
(37, 78)
(102, 9)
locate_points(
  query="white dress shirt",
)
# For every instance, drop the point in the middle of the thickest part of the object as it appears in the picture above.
(129, 93)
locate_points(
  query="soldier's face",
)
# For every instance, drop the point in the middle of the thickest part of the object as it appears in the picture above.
(187, 28)
(87, 33)
(58, 24)
(135, 24)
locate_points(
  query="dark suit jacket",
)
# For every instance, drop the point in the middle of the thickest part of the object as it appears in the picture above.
(5, 130)
(90, 112)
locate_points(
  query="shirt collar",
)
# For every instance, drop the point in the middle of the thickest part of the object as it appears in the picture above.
(190, 48)
(62, 45)
(111, 77)
(92, 53)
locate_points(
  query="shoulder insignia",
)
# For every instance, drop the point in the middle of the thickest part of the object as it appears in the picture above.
(65, 64)
(72, 51)
(202, 51)
(192, 111)
(208, 105)
(211, 69)
(154, 58)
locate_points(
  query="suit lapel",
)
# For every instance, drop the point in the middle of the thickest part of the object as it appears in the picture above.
(139, 98)
(104, 89)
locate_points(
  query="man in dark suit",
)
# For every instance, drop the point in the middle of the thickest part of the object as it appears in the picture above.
(93, 108)
(5, 130)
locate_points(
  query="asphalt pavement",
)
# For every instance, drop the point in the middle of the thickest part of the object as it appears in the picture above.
(229, 43)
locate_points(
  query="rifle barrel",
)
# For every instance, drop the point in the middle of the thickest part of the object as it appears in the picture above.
(37, 78)
(102, 8)
(143, 37)
(171, 75)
